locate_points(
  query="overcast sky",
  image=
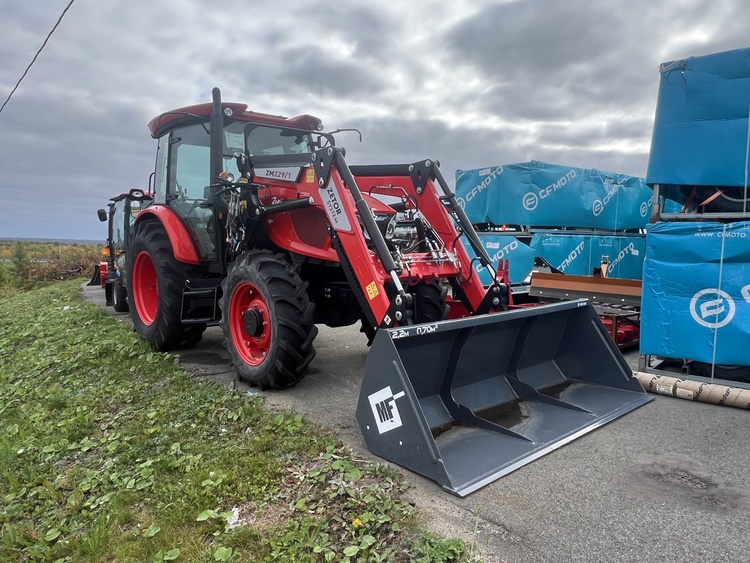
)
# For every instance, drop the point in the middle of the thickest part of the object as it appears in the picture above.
(471, 83)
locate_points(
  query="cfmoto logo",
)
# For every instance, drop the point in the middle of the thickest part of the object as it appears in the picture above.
(598, 207)
(644, 209)
(712, 308)
(461, 202)
(530, 201)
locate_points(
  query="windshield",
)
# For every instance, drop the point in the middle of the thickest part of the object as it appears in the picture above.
(271, 140)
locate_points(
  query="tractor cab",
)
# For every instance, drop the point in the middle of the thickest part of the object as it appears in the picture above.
(183, 165)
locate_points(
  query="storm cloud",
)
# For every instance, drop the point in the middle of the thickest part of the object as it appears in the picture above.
(468, 83)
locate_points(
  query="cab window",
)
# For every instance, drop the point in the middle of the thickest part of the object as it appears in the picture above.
(263, 140)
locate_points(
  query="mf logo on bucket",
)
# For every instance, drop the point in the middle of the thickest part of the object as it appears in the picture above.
(712, 308)
(385, 410)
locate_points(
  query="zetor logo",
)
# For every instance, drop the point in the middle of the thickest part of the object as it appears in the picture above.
(385, 410)
(334, 209)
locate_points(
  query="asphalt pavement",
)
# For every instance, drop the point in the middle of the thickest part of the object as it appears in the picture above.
(667, 482)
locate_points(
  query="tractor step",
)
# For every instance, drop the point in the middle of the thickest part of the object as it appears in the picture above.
(200, 301)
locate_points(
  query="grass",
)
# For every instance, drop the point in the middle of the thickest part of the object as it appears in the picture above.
(110, 452)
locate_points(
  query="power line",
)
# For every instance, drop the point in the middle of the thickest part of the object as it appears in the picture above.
(37, 54)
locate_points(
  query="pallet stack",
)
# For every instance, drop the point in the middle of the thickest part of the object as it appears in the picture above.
(696, 278)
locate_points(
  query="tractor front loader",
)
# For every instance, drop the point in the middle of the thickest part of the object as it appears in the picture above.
(258, 224)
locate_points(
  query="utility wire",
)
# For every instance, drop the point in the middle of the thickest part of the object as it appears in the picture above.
(37, 54)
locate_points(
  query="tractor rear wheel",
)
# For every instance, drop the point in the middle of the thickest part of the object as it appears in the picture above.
(155, 284)
(119, 297)
(267, 318)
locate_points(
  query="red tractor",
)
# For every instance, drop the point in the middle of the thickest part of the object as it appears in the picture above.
(123, 208)
(258, 223)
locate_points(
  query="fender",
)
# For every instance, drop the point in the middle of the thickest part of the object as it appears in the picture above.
(179, 238)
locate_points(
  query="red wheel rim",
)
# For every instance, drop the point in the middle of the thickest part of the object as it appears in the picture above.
(252, 348)
(145, 288)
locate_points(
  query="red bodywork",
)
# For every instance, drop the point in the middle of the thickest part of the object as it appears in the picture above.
(182, 243)
(103, 273)
(307, 231)
(166, 121)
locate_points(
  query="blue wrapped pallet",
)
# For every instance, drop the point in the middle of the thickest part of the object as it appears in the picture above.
(504, 247)
(571, 254)
(537, 194)
(700, 135)
(696, 292)
(579, 254)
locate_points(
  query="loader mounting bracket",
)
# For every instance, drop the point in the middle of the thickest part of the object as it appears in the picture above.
(401, 311)
(322, 160)
(420, 172)
(496, 299)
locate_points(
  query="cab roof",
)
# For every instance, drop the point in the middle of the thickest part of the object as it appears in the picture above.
(201, 113)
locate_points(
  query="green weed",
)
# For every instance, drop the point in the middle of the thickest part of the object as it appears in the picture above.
(110, 452)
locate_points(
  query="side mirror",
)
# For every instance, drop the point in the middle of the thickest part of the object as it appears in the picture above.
(102, 214)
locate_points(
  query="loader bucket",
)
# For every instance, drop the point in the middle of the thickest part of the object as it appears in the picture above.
(466, 401)
(96, 276)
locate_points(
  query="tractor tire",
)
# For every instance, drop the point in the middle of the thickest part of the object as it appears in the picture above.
(155, 284)
(267, 318)
(430, 307)
(119, 297)
(430, 303)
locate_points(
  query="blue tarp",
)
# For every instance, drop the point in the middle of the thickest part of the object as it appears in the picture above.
(537, 194)
(696, 292)
(701, 127)
(579, 254)
(504, 247)
(571, 254)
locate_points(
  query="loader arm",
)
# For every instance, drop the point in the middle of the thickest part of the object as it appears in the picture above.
(382, 274)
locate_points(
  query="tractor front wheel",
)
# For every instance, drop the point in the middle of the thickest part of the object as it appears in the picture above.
(155, 284)
(119, 296)
(267, 318)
